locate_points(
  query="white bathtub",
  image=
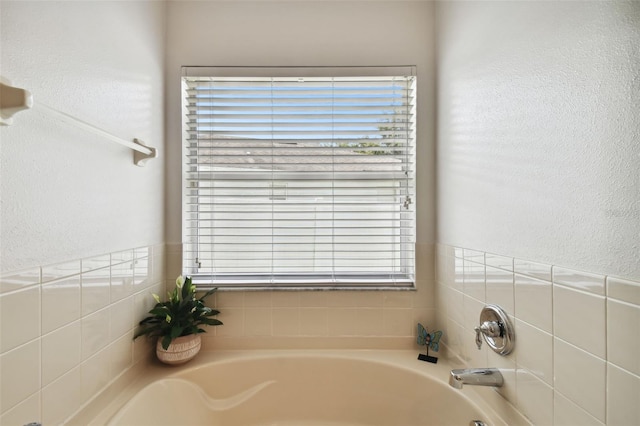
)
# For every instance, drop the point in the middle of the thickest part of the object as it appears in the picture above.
(302, 388)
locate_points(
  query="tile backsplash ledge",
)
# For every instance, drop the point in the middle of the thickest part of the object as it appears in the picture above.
(310, 319)
(67, 331)
(577, 355)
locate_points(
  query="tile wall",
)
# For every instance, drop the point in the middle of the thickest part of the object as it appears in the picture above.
(320, 319)
(66, 331)
(577, 355)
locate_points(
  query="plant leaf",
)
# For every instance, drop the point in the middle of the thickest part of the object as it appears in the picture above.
(166, 341)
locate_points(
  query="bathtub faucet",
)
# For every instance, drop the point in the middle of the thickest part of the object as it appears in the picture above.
(476, 377)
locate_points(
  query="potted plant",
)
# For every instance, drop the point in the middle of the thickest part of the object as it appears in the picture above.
(176, 322)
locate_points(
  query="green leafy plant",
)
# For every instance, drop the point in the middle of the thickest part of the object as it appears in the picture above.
(181, 315)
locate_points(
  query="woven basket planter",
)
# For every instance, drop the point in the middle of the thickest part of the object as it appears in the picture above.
(181, 349)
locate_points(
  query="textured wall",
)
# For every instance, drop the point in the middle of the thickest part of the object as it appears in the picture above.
(67, 193)
(539, 131)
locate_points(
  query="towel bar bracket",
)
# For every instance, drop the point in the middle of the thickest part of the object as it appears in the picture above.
(140, 158)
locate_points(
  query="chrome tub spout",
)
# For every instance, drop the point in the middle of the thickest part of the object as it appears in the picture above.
(476, 377)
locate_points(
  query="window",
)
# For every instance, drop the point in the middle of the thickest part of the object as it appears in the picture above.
(298, 177)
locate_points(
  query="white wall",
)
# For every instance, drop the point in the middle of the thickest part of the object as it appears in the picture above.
(539, 200)
(67, 193)
(538, 147)
(81, 227)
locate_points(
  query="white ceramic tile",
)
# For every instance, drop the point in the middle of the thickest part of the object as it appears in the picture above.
(624, 290)
(257, 321)
(441, 300)
(535, 398)
(96, 262)
(580, 280)
(141, 273)
(454, 336)
(341, 299)
(422, 298)
(498, 261)
(230, 299)
(397, 322)
(18, 280)
(60, 303)
(157, 266)
(173, 265)
(286, 321)
(19, 317)
(500, 289)
(342, 321)
(623, 335)
(144, 349)
(471, 355)
(95, 374)
(472, 309)
(142, 252)
(314, 322)
(473, 255)
(367, 299)
(533, 302)
(121, 281)
(60, 352)
(257, 299)
(121, 354)
(458, 252)
(623, 397)
(473, 282)
(28, 411)
(580, 377)
(579, 318)
(233, 320)
(285, 299)
(566, 413)
(444, 269)
(95, 332)
(507, 367)
(60, 270)
(368, 322)
(96, 293)
(143, 302)
(537, 270)
(121, 314)
(121, 256)
(398, 299)
(424, 263)
(458, 274)
(444, 250)
(313, 299)
(534, 351)
(20, 374)
(455, 305)
(61, 398)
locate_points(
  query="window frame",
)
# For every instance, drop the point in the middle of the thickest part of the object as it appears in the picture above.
(308, 281)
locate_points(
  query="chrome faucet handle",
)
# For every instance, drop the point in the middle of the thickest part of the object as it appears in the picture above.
(478, 337)
(489, 329)
(496, 329)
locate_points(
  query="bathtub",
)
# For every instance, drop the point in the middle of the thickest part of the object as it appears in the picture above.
(304, 388)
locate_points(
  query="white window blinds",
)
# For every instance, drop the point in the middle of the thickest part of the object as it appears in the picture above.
(296, 180)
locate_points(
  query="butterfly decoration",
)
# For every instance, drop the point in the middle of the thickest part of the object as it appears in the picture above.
(430, 340)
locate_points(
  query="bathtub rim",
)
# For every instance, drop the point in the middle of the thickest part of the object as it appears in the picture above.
(487, 400)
